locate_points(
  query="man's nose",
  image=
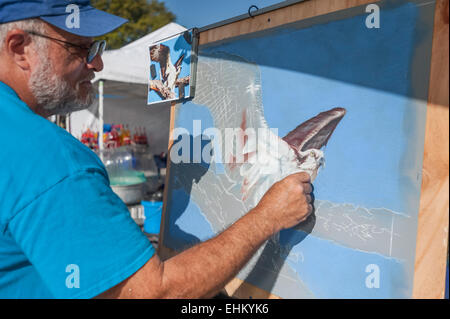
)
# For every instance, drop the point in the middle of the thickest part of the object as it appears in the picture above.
(96, 64)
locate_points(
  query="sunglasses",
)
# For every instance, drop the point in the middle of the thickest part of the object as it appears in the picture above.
(96, 48)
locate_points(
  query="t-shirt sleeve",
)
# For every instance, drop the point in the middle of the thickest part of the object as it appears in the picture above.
(80, 237)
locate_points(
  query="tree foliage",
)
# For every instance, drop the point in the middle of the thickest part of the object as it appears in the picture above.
(144, 17)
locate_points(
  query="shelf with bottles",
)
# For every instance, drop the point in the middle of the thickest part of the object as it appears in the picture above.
(115, 136)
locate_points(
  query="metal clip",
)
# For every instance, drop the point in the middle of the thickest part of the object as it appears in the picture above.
(249, 10)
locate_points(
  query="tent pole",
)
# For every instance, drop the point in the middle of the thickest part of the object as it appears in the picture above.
(100, 115)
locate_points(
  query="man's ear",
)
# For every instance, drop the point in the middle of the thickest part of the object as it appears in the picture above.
(17, 46)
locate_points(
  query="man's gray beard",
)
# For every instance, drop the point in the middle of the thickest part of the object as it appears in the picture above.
(54, 94)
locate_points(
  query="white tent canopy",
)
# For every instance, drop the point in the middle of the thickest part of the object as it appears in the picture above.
(127, 72)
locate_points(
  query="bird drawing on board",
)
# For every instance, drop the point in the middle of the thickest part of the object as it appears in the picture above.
(169, 73)
(239, 175)
(229, 95)
(257, 161)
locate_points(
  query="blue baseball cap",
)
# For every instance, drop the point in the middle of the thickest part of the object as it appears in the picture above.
(61, 13)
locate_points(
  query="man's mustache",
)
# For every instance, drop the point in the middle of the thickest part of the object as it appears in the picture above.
(89, 78)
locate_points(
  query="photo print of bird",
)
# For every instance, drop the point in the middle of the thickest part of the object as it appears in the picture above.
(164, 84)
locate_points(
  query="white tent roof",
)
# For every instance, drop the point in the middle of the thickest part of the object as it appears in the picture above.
(131, 63)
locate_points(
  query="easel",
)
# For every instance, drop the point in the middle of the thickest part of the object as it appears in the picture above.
(432, 237)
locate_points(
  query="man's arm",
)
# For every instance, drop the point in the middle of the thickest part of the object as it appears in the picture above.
(203, 270)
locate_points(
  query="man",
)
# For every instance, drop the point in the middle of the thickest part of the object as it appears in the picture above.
(63, 232)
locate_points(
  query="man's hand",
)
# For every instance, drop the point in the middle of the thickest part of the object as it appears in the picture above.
(288, 202)
(201, 271)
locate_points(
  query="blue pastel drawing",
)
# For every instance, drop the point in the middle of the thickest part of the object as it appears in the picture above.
(355, 90)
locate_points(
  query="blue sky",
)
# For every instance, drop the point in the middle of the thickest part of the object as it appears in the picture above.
(199, 13)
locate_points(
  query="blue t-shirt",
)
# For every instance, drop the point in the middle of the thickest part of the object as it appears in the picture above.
(63, 231)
